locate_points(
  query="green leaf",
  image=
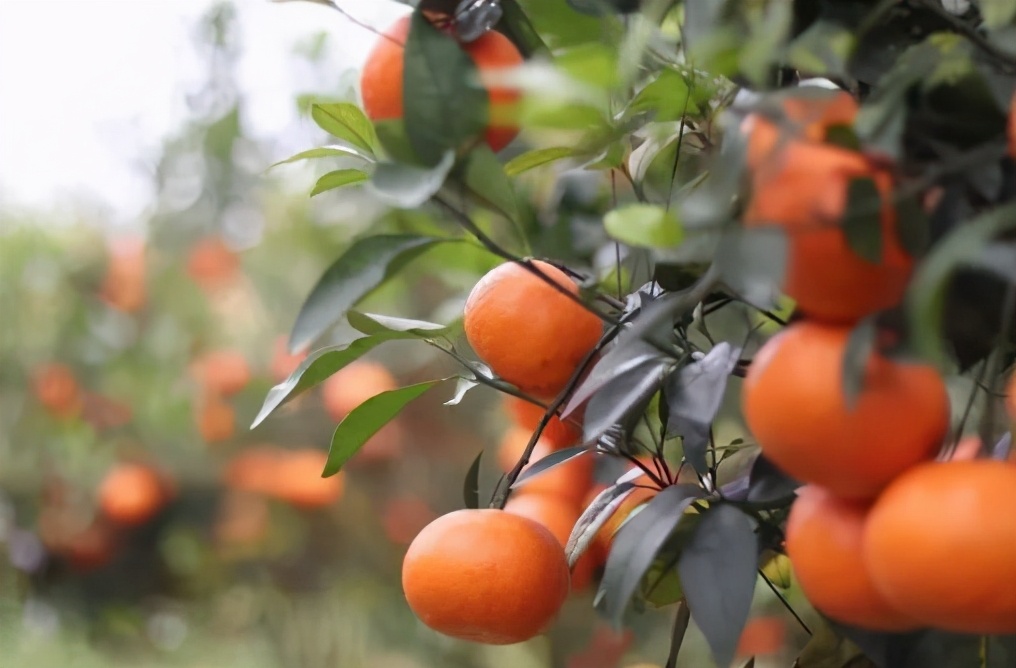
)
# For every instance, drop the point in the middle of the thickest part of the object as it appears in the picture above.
(338, 179)
(446, 106)
(334, 151)
(667, 98)
(997, 13)
(862, 220)
(367, 419)
(645, 225)
(345, 121)
(542, 156)
(392, 137)
(315, 369)
(471, 485)
(487, 181)
(372, 323)
(367, 263)
(408, 186)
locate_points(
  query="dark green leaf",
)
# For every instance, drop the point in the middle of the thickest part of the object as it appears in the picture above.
(372, 323)
(487, 181)
(367, 419)
(408, 186)
(471, 485)
(552, 460)
(646, 225)
(859, 349)
(753, 263)
(767, 485)
(516, 26)
(346, 121)
(637, 543)
(594, 517)
(367, 263)
(392, 138)
(541, 156)
(318, 366)
(912, 226)
(338, 179)
(625, 397)
(862, 220)
(448, 107)
(718, 570)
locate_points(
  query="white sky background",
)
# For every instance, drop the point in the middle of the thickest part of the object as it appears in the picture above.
(88, 87)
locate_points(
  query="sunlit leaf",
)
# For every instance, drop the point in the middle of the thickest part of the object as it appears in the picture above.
(646, 225)
(536, 158)
(346, 121)
(334, 151)
(338, 179)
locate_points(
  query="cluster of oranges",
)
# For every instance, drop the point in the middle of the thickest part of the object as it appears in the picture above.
(500, 576)
(882, 536)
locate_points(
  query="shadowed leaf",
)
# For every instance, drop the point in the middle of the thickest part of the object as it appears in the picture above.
(471, 485)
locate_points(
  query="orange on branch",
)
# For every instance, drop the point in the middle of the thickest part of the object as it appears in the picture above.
(529, 333)
(569, 481)
(806, 115)
(796, 407)
(558, 516)
(486, 576)
(528, 416)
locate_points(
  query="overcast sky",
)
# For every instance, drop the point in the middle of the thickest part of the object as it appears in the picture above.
(88, 86)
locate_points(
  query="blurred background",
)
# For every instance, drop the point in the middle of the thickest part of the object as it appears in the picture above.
(151, 265)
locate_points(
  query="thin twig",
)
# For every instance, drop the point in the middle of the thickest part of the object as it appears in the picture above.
(970, 32)
(783, 600)
(681, 618)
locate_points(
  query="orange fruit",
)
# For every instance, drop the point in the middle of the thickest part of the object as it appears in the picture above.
(297, 479)
(216, 419)
(559, 517)
(89, 549)
(527, 415)
(253, 470)
(940, 544)
(224, 372)
(211, 263)
(526, 331)
(283, 362)
(569, 481)
(131, 493)
(56, 388)
(762, 636)
(824, 543)
(795, 406)
(486, 576)
(354, 384)
(806, 115)
(123, 286)
(381, 81)
(803, 190)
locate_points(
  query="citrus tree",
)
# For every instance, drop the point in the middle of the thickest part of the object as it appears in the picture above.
(751, 291)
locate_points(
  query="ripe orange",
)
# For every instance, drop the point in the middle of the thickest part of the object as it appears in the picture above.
(805, 117)
(527, 415)
(940, 544)
(824, 543)
(559, 517)
(212, 264)
(57, 389)
(216, 419)
(486, 576)
(131, 493)
(297, 479)
(569, 481)
(795, 406)
(381, 82)
(526, 331)
(224, 372)
(803, 190)
(123, 286)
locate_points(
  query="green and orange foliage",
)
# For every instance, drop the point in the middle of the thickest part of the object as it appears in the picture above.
(132, 493)
(351, 386)
(558, 515)
(570, 481)
(57, 389)
(825, 536)
(290, 475)
(215, 418)
(242, 519)
(805, 115)
(486, 576)
(284, 362)
(405, 516)
(124, 285)
(223, 372)
(381, 81)
(796, 406)
(212, 264)
(528, 415)
(804, 190)
(605, 536)
(511, 304)
(940, 545)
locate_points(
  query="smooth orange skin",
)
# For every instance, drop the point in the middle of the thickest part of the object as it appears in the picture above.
(223, 372)
(795, 407)
(131, 494)
(806, 118)
(530, 334)
(381, 82)
(569, 481)
(559, 517)
(486, 576)
(527, 415)
(824, 543)
(803, 189)
(940, 544)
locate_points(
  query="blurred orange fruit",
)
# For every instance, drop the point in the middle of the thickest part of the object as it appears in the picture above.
(824, 543)
(293, 476)
(529, 333)
(222, 372)
(404, 517)
(242, 519)
(807, 115)
(605, 536)
(486, 576)
(559, 517)
(216, 419)
(283, 362)
(354, 384)
(940, 544)
(211, 263)
(762, 636)
(56, 388)
(123, 286)
(559, 434)
(131, 493)
(570, 481)
(795, 406)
